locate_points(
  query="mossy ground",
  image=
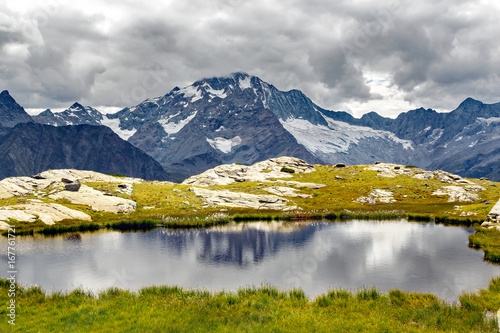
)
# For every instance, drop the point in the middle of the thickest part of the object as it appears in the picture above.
(266, 309)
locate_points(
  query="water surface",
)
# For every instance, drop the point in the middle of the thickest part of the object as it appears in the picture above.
(316, 257)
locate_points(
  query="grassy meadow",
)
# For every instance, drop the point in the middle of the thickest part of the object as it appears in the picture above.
(264, 309)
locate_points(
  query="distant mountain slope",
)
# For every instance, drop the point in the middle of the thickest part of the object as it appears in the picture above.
(77, 114)
(31, 148)
(240, 118)
(11, 113)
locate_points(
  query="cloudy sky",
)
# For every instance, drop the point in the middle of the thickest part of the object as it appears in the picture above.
(352, 55)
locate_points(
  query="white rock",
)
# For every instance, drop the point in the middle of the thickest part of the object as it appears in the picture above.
(313, 186)
(229, 173)
(18, 186)
(284, 191)
(97, 200)
(424, 175)
(474, 188)
(457, 193)
(49, 213)
(8, 212)
(377, 195)
(243, 200)
(86, 176)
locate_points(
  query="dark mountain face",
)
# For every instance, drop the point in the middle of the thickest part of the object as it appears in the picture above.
(75, 115)
(11, 113)
(31, 148)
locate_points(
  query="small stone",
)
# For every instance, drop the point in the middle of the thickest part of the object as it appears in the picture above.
(66, 181)
(399, 186)
(122, 186)
(38, 177)
(425, 184)
(176, 190)
(338, 177)
(397, 167)
(378, 162)
(186, 203)
(340, 165)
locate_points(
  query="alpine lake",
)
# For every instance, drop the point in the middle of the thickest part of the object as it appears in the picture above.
(315, 256)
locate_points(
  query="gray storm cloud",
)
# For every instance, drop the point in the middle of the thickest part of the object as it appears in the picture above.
(431, 54)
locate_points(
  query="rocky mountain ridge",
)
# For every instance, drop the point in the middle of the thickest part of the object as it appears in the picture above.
(240, 118)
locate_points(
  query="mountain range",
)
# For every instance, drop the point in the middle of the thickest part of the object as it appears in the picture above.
(240, 118)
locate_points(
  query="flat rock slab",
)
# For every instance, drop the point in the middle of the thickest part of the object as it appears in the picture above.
(377, 196)
(86, 176)
(18, 186)
(458, 194)
(313, 186)
(48, 213)
(97, 200)
(393, 170)
(7, 213)
(243, 200)
(284, 191)
(258, 172)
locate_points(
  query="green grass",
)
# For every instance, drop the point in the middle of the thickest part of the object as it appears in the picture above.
(264, 309)
(489, 241)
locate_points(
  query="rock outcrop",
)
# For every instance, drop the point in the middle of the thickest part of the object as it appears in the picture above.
(284, 191)
(243, 200)
(262, 171)
(459, 194)
(52, 181)
(48, 213)
(393, 170)
(377, 196)
(493, 219)
(53, 185)
(98, 200)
